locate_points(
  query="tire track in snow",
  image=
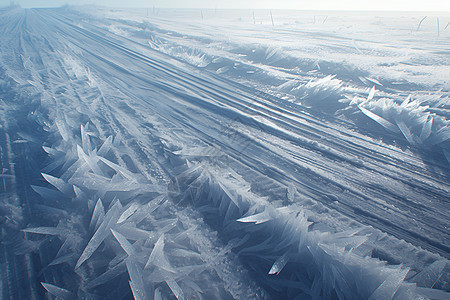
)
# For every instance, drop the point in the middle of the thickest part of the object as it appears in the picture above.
(395, 164)
(118, 124)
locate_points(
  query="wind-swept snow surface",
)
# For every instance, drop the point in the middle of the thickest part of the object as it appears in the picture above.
(128, 171)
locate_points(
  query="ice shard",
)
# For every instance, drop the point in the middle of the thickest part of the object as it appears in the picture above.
(158, 258)
(104, 229)
(58, 292)
(278, 265)
(386, 124)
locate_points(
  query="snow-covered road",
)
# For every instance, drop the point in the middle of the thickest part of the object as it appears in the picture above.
(184, 182)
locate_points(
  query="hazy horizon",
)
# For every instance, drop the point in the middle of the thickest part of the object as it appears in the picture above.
(382, 5)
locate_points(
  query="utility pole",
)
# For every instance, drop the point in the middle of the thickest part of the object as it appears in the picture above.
(438, 26)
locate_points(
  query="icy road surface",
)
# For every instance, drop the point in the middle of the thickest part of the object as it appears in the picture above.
(127, 172)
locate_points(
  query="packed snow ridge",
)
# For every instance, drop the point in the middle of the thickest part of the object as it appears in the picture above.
(135, 165)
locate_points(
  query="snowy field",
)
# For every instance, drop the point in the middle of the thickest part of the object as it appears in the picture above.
(224, 154)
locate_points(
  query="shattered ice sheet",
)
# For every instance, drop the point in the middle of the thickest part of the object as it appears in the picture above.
(135, 166)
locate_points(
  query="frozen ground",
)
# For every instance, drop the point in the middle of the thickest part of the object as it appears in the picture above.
(210, 154)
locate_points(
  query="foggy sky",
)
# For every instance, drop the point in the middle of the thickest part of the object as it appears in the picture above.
(406, 5)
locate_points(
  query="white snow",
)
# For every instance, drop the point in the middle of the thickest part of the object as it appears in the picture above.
(170, 156)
